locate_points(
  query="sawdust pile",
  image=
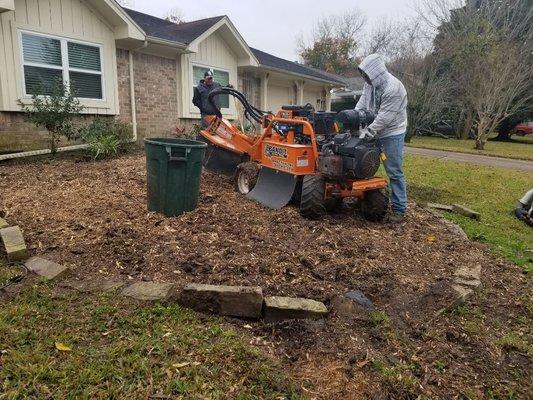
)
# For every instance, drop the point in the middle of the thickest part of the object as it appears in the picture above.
(92, 217)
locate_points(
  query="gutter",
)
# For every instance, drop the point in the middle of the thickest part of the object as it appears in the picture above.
(310, 77)
(165, 42)
(132, 90)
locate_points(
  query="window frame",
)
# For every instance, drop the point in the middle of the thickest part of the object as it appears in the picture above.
(226, 110)
(65, 67)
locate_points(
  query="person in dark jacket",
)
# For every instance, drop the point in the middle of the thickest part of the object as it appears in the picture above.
(201, 92)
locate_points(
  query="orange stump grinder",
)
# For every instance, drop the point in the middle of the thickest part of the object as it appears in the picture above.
(299, 155)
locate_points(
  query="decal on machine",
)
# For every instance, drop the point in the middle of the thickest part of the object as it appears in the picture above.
(274, 151)
(282, 165)
(302, 162)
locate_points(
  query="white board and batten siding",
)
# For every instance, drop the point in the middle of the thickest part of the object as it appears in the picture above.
(315, 96)
(69, 19)
(213, 53)
(279, 95)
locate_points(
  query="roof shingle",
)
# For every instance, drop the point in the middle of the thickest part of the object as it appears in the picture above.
(268, 60)
(185, 33)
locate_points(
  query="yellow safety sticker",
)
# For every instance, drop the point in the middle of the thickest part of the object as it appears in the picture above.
(383, 156)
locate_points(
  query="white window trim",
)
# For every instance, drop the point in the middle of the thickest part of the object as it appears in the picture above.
(65, 68)
(225, 110)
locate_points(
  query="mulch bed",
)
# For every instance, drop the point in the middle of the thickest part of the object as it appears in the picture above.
(92, 217)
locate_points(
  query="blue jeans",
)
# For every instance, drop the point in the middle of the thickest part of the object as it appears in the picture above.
(393, 148)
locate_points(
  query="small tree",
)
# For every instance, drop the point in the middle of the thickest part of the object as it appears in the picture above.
(53, 111)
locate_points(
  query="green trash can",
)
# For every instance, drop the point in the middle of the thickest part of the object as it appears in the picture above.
(173, 169)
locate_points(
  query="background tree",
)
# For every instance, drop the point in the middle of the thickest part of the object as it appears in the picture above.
(333, 45)
(175, 15)
(485, 53)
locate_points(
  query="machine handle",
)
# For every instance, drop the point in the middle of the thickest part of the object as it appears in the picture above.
(173, 158)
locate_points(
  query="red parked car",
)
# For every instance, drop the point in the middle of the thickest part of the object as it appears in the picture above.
(524, 128)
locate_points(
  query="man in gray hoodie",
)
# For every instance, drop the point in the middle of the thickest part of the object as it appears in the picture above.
(385, 96)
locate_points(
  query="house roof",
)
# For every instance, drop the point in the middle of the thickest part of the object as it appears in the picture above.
(269, 61)
(185, 33)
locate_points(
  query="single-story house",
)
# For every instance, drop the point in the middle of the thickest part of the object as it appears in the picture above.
(137, 67)
(347, 97)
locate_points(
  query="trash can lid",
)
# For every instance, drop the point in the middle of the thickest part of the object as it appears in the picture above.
(193, 144)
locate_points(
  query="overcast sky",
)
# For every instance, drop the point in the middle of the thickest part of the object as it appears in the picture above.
(274, 25)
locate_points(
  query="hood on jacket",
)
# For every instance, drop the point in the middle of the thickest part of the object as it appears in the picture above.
(374, 66)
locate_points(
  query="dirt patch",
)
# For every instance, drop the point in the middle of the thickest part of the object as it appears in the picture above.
(92, 217)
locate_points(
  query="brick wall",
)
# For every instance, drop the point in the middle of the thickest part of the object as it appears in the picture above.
(123, 79)
(156, 99)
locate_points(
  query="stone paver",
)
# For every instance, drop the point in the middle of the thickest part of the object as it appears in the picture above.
(469, 273)
(437, 206)
(45, 268)
(360, 298)
(279, 308)
(149, 290)
(96, 285)
(3, 223)
(467, 212)
(461, 293)
(236, 301)
(14, 243)
(346, 308)
(475, 283)
(519, 165)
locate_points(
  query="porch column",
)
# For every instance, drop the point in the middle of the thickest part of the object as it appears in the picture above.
(300, 92)
(328, 98)
(264, 91)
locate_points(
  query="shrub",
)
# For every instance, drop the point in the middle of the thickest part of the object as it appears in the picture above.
(53, 112)
(106, 137)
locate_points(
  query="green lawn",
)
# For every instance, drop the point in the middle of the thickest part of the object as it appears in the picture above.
(519, 147)
(123, 350)
(493, 192)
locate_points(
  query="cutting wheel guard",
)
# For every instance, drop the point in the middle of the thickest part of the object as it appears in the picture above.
(274, 189)
(220, 160)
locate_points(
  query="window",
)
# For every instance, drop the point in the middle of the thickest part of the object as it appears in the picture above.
(48, 59)
(219, 76)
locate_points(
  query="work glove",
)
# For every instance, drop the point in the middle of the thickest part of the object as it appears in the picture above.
(366, 133)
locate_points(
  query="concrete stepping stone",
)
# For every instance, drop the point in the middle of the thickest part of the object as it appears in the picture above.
(45, 268)
(277, 308)
(3, 223)
(149, 291)
(14, 243)
(235, 301)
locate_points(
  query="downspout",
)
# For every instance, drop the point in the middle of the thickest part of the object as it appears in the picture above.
(132, 90)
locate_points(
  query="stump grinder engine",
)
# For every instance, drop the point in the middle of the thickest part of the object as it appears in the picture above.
(299, 155)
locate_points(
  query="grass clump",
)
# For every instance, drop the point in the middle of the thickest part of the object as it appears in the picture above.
(493, 192)
(123, 350)
(517, 148)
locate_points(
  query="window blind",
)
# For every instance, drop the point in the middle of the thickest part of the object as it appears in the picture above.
(43, 66)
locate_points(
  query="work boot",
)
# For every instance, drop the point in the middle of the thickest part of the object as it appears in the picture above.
(396, 217)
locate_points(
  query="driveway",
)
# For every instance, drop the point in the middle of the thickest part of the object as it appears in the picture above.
(519, 165)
